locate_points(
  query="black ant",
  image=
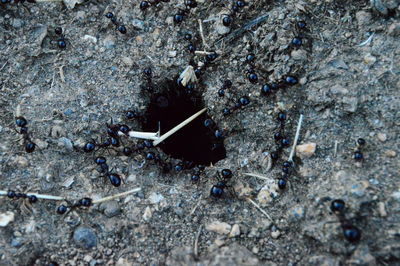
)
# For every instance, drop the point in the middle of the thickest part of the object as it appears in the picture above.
(350, 232)
(358, 155)
(84, 202)
(22, 123)
(114, 178)
(146, 4)
(119, 27)
(61, 43)
(17, 195)
(189, 4)
(217, 190)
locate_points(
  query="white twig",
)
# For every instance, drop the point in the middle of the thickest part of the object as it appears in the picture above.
(142, 135)
(43, 1)
(259, 208)
(296, 139)
(178, 127)
(39, 196)
(256, 175)
(202, 34)
(188, 76)
(335, 148)
(367, 41)
(203, 53)
(196, 242)
(117, 195)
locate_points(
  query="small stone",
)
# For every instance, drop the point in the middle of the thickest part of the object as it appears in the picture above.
(147, 214)
(379, 6)
(390, 153)
(138, 24)
(90, 38)
(394, 29)
(155, 198)
(369, 59)
(219, 227)
(111, 208)
(235, 231)
(306, 150)
(17, 242)
(172, 54)
(57, 132)
(381, 209)
(363, 18)
(127, 61)
(350, 104)
(87, 258)
(275, 234)
(268, 192)
(109, 42)
(21, 161)
(382, 137)
(299, 55)
(17, 23)
(66, 142)
(297, 212)
(84, 237)
(219, 242)
(221, 29)
(6, 218)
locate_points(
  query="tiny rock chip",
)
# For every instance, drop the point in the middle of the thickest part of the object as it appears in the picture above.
(235, 231)
(219, 227)
(275, 234)
(382, 137)
(381, 209)
(85, 237)
(306, 150)
(390, 153)
(147, 214)
(6, 218)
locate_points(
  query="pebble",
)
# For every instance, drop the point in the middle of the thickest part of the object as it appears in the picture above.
(219, 227)
(21, 161)
(6, 218)
(369, 59)
(138, 24)
(268, 192)
(84, 237)
(390, 153)
(394, 29)
(221, 29)
(90, 38)
(57, 132)
(67, 143)
(299, 55)
(363, 17)
(381, 209)
(17, 242)
(382, 137)
(306, 150)
(127, 61)
(275, 234)
(172, 53)
(147, 214)
(297, 212)
(109, 42)
(17, 23)
(111, 208)
(349, 104)
(155, 198)
(379, 6)
(235, 231)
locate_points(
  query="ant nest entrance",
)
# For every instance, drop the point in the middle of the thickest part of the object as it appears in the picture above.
(195, 142)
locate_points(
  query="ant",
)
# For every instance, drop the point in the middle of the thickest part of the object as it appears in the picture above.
(22, 123)
(114, 178)
(84, 202)
(358, 155)
(189, 4)
(350, 232)
(146, 4)
(61, 43)
(218, 190)
(17, 195)
(119, 27)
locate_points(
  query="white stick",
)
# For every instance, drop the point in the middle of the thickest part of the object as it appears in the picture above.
(117, 195)
(203, 52)
(39, 196)
(141, 135)
(256, 175)
(296, 139)
(202, 34)
(178, 127)
(43, 1)
(259, 208)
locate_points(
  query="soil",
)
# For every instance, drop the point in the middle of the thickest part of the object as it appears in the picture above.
(348, 71)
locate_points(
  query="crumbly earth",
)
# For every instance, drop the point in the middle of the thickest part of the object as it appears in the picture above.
(349, 71)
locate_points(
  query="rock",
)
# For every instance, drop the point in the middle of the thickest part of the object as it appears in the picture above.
(147, 214)
(17, 242)
(306, 150)
(234, 254)
(36, 37)
(299, 55)
(394, 29)
(84, 237)
(297, 212)
(349, 104)
(17, 23)
(172, 53)
(109, 42)
(369, 59)
(268, 192)
(221, 29)
(57, 131)
(321, 260)
(381, 209)
(219, 227)
(138, 24)
(90, 38)
(111, 208)
(66, 142)
(275, 234)
(127, 61)
(381, 137)
(123, 262)
(155, 198)
(70, 4)
(363, 18)
(6, 218)
(390, 153)
(235, 231)
(362, 256)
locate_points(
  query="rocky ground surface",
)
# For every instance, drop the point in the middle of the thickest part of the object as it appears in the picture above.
(348, 67)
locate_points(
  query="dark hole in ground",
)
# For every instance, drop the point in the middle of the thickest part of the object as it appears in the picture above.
(194, 142)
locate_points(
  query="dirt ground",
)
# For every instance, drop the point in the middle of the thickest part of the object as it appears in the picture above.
(348, 68)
